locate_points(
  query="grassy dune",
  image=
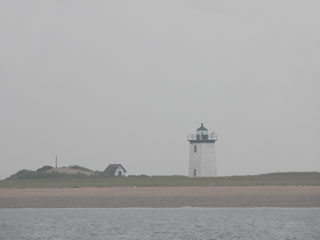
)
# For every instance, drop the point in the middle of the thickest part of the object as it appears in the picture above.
(271, 179)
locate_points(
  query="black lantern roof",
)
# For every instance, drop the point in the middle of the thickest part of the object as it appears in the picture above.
(202, 128)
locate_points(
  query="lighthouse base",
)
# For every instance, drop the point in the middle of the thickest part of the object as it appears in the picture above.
(202, 160)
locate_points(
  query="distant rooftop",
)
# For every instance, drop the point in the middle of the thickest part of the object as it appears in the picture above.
(112, 168)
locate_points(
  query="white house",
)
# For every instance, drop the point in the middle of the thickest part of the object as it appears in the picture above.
(115, 170)
(202, 159)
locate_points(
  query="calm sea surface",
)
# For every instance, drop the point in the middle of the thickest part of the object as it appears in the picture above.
(173, 223)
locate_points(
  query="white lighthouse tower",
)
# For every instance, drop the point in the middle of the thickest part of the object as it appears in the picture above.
(202, 159)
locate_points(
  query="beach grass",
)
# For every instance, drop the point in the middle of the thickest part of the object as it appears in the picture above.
(271, 179)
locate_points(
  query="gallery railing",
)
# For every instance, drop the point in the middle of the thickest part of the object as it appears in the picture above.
(194, 137)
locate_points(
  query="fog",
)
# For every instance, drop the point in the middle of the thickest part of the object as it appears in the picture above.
(100, 82)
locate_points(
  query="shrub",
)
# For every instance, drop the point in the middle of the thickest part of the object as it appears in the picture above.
(44, 169)
(80, 168)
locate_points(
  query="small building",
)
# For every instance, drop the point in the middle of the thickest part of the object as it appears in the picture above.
(115, 170)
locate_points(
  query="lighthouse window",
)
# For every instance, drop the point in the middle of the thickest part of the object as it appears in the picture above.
(195, 148)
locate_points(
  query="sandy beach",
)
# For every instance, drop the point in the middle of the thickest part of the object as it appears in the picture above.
(257, 196)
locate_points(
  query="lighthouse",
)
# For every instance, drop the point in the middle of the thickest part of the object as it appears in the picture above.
(202, 159)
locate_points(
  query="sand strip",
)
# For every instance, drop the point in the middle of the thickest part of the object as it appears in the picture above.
(258, 196)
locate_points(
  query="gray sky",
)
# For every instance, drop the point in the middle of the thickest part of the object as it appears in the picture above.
(99, 82)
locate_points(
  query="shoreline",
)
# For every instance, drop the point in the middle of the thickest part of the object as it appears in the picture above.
(162, 197)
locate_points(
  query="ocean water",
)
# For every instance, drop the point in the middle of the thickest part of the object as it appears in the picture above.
(160, 223)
